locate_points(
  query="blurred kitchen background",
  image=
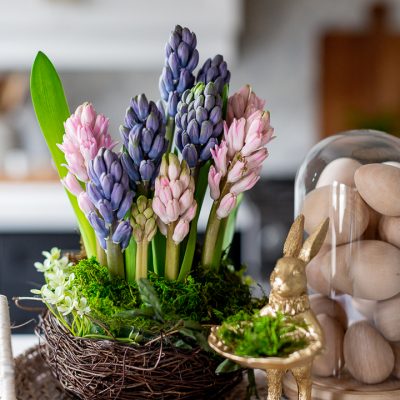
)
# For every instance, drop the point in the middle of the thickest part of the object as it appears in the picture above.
(324, 66)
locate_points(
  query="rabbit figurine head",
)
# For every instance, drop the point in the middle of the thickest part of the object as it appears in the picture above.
(289, 276)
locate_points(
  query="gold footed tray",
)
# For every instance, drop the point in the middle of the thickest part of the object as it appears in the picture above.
(345, 388)
(299, 363)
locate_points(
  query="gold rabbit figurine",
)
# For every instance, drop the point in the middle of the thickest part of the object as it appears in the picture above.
(289, 296)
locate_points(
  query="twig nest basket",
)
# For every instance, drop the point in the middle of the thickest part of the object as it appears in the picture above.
(102, 369)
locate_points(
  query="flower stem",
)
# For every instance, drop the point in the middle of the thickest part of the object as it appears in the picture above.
(171, 255)
(213, 226)
(169, 133)
(101, 254)
(141, 259)
(115, 260)
(130, 261)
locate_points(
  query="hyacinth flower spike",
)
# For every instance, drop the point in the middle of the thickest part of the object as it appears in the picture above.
(243, 104)
(199, 124)
(175, 207)
(181, 58)
(237, 165)
(144, 227)
(109, 192)
(215, 70)
(143, 135)
(85, 133)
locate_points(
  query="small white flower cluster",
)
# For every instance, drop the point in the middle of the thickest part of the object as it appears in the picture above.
(59, 290)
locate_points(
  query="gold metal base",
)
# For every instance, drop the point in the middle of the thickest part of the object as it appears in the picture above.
(345, 388)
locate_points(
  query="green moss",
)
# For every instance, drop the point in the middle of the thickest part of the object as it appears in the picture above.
(120, 309)
(261, 336)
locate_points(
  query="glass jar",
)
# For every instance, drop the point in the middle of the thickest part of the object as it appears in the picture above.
(354, 179)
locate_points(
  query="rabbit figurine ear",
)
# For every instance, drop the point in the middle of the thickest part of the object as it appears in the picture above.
(314, 242)
(294, 239)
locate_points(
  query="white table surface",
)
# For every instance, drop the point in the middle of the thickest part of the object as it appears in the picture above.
(23, 342)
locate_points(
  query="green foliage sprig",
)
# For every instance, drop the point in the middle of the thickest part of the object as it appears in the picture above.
(253, 335)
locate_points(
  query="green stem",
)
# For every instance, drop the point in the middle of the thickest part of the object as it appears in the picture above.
(130, 261)
(115, 260)
(141, 259)
(169, 133)
(217, 253)
(101, 254)
(171, 255)
(211, 237)
(158, 247)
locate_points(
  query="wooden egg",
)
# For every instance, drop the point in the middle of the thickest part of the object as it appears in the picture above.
(372, 231)
(396, 351)
(321, 304)
(315, 280)
(338, 275)
(379, 186)
(343, 205)
(368, 356)
(389, 230)
(331, 360)
(365, 307)
(368, 269)
(340, 170)
(387, 318)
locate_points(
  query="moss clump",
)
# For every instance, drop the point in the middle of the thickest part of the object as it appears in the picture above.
(120, 310)
(261, 336)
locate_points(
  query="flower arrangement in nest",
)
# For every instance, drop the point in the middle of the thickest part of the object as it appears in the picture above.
(144, 279)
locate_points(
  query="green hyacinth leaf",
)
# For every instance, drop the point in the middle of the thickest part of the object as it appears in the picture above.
(51, 108)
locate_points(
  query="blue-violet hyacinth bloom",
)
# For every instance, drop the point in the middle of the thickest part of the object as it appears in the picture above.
(199, 123)
(144, 139)
(181, 58)
(215, 70)
(109, 191)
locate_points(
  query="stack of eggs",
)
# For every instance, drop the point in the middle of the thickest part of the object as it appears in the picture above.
(360, 258)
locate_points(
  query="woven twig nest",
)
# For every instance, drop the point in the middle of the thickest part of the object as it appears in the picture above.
(34, 380)
(103, 369)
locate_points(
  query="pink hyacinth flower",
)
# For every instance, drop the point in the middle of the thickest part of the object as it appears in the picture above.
(180, 231)
(235, 136)
(71, 184)
(237, 171)
(246, 183)
(258, 133)
(243, 103)
(214, 179)
(173, 201)
(256, 159)
(85, 203)
(219, 154)
(85, 133)
(226, 206)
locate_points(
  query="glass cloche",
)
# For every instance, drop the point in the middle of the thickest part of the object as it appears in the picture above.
(354, 179)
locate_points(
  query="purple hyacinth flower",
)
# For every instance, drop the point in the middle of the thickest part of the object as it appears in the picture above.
(144, 140)
(146, 170)
(181, 58)
(189, 153)
(122, 234)
(98, 225)
(215, 70)
(199, 123)
(110, 192)
(131, 169)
